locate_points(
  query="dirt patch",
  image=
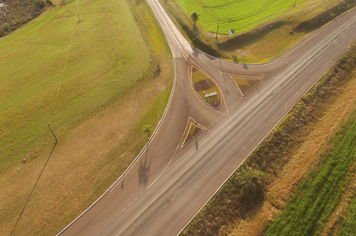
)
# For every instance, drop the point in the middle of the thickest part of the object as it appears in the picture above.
(203, 85)
(215, 103)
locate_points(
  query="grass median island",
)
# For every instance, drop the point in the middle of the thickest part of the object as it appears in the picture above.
(294, 148)
(206, 88)
(96, 86)
(193, 131)
(245, 85)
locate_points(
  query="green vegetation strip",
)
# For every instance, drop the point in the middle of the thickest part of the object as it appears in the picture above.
(320, 192)
(348, 225)
(274, 152)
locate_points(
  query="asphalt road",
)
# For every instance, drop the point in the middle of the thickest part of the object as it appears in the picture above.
(168, 184)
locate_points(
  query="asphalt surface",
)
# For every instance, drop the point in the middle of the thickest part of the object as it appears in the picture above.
(168, 184)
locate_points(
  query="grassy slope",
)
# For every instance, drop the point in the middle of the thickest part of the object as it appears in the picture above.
(65, 70)
(238, 15)
(97, 108)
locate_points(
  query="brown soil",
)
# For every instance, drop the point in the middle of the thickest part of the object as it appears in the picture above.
(204, 85)
(215, 103)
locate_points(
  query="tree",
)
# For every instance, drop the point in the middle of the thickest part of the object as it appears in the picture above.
(147, 129)
(250, 183)
(195, 17)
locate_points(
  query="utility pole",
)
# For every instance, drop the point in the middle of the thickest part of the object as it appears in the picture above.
(217, 31)
(49, 126)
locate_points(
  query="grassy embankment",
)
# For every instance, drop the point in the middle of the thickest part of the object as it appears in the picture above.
(263, 43)
(84, 72)
(284, 156)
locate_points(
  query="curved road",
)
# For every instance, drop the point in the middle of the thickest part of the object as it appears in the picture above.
(168, 184)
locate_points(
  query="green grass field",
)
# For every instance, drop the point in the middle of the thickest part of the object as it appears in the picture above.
(240, 15)
(320, 192)
(65, 69)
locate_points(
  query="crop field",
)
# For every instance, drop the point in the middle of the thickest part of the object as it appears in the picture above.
(241, 15)
(320, 192)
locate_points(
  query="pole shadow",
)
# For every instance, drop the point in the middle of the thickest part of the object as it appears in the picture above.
(34, 186)
(123, 184)
(144, 169)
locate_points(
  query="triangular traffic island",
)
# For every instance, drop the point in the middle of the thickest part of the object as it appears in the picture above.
(192, 130)
(206, 88)
(245, 85)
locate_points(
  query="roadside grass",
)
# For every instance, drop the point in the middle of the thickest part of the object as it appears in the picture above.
(267, 41)
(203, 85)
(319, 193)
(238, 15)
(225, 213)
(96, 102)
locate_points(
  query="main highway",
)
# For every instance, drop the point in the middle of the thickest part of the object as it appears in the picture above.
(168, 184)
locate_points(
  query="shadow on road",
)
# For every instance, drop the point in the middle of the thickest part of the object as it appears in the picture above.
(34, 186)
(196, 145)
(144, 169)
(123, 184)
